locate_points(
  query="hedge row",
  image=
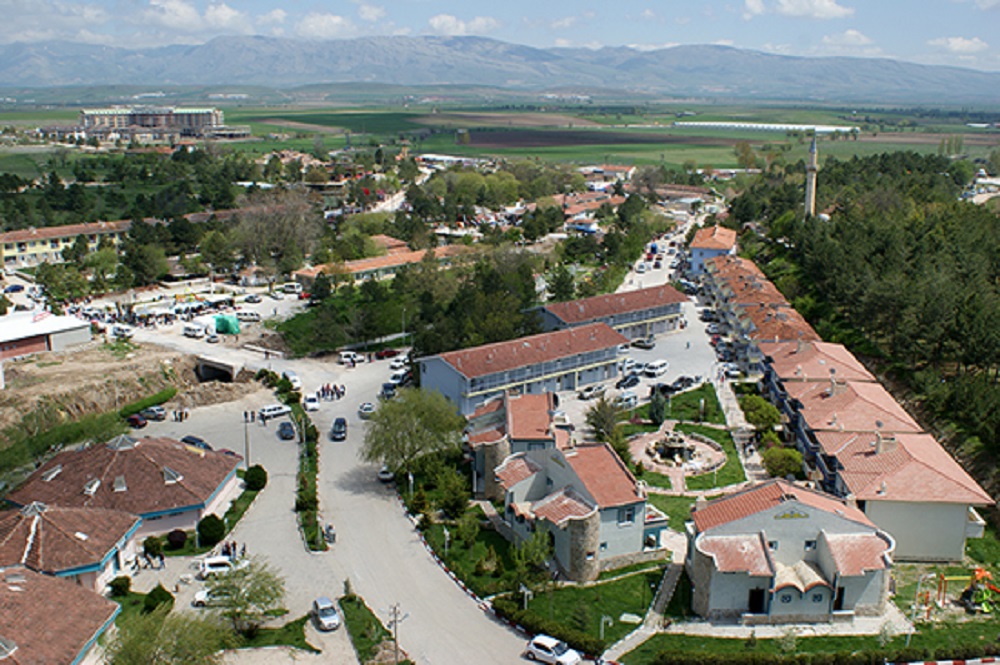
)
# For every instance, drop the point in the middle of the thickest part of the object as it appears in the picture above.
(164, 395)
(508, 608)
(873, 657)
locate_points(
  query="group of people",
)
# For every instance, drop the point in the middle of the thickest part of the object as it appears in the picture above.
(230, 549)
(331, 391)
(180, 415)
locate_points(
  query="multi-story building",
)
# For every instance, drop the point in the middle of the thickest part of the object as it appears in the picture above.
(549, 362)
(634, 314)
(186, 122)
(708, 243)
(32, 246)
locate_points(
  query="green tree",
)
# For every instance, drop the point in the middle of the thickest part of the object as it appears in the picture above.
(530, 556)
(77, 252)
(321, 288)
(602, 417)
(249, 595)
(211, 530)
(760, 413)
(165, 638)
(467, 529)
(657, 408)
(414, 424)
(454, 493)
(562, 286)
(781, 462)
(217, 251)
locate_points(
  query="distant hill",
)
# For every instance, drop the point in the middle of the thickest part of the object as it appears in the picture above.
(702, 71)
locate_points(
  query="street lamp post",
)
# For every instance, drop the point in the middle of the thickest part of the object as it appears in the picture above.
(246, 443)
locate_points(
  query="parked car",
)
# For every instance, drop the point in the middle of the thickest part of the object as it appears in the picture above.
(385, 474)
(388, 391)
(591, 391)
(628, 381)
(212, 338)
(206, 598)
(350, 358)
(339, 430)
(366, 410)
(277, 295)
(154, 413)
(286, 430)
(253, 298)
(274, 411)
(627, 400)
(136, 421)
(14, 288)
(293, 379)
(218, 565)
(325, 614)
(196, 441)
(399, 363)
(656, 368)
(545, 649)
(713, 329)
(310, 403)
(382, 354)
(644, 342)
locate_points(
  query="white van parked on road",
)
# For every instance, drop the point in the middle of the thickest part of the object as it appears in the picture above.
(657, 367)
(191, 330)
(247, 316)
(349, 357)
(292, 287)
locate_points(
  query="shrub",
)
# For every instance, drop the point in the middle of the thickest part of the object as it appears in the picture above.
(158, 596)
(153, 546)
(255, 478)
(211, 530)
(120, 586)
(159, 398)
(781, 462)
(176, 539)
(455, 497)
(267, 377)
(418, 504)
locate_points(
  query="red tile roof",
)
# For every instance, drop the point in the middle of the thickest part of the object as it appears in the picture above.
(813, 361)
(603, 474)
(752, 290)
(561, 506)
(49, 619)
(765, 496)
(854, 406)
(726, 266)
(738, 554)
(157, 475)
(481, 437)
(53, 539)
(714, 237)
(776, 323)
(902, 467)
(67, 231)
(857, 553)
(515, 469)
(389, 244)
(505, 356)
(604, 306)
(529, 416)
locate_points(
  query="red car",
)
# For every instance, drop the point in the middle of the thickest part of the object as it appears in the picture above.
(382, 354)
(136, 421)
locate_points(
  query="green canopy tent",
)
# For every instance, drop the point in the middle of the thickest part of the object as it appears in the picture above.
(227, 324)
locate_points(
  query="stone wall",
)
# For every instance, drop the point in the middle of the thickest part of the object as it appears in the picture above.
(584, 540)
(625, 560)
(493, 456)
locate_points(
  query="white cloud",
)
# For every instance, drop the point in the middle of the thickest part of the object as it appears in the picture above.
(821, 9)
(323, 26)
(752, 8)
(847, 38)
(446, 24)
(648, 14)
(987, 4)
(564, 22)
(563, 43)
(174, 14)
(960, 45)
(222, 16)
(273, 17)
(724, 42)
(653, 47)
(370, 13)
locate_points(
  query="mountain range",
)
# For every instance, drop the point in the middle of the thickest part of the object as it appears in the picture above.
(680, 71)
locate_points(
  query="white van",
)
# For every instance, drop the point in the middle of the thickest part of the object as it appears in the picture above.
(657, 367)
(218, 565)
(247, 316)
(274, 411)
(292, 287)
(293, 379)
(349, 357)
(191, 330)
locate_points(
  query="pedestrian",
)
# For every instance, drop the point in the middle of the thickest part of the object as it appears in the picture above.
(162, 563)
(263, 419)
(187, 413)
(225, 549)
(253, 416)
(343, 390)
(689, 345)
(243, 551)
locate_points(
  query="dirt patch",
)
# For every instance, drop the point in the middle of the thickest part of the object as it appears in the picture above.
(303, 126)
(554, 139)
(468, 120)
(96, 379)
(906, 138)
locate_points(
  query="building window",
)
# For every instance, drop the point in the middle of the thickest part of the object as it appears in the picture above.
(810, 545)
(604, 547)
(817, 598)
(786, 597)
(626, 515)
(590, 556)
(772, 545)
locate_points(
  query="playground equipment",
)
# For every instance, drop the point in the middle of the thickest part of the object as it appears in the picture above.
(981, 595)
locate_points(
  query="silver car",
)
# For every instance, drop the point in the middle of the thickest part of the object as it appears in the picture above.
(324, 612)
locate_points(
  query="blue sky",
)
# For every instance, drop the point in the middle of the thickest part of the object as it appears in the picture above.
(964, 33)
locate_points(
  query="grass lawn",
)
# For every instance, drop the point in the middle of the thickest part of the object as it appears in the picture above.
(583, 607)
(291, 634)
(654, 479)
(365, 629)
(462, 560)
(730, 473)
(232, 517)
(131, 606)
(687, 406)
(676, 508)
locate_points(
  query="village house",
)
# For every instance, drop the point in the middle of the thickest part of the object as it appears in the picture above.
(709, 242)
(168, 484)
(587, 501)
(781, 553)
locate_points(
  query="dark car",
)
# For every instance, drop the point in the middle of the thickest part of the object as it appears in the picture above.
(136, 421)
(629, 381)
(663, 388)
(339, 430)
(388, 391)
(382, 354)
(14, 288)
(286, 431)
(196, 441)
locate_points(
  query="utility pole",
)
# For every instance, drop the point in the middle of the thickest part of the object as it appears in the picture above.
(394, 621)
(246, 443)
